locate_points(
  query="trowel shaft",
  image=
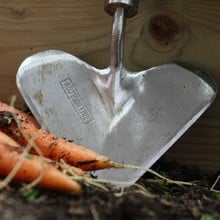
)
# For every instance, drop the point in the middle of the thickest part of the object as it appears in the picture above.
(120, 9)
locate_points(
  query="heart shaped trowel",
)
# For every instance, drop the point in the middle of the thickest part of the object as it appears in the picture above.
(131, 117)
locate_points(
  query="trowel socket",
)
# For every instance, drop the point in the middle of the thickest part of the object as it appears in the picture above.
(130, 6)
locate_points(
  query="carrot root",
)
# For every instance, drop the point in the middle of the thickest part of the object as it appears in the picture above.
(32, 167)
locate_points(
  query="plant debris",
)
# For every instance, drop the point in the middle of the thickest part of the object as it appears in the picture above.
(151, 198)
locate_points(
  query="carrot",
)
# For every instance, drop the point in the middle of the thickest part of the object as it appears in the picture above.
(31, 168)
(53, 147)
(64, 166)
(6, 114)
(7, 141)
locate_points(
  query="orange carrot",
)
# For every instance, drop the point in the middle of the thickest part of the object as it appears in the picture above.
(52, 146)
(31, 168)
(64, 166)
(6, 114)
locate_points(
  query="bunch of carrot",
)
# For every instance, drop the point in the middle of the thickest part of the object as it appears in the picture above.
(20, 129)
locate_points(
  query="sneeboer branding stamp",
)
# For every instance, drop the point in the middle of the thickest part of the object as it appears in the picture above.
(73, 95)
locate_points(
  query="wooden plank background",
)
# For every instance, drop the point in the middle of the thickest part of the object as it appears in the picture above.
(162, 31)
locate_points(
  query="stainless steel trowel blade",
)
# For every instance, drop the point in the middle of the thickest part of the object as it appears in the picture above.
(161, 104)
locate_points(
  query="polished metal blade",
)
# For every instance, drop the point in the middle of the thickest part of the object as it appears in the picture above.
(68, 96)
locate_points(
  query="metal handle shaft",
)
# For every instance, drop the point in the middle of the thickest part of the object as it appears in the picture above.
(130, 6)
(117, 44)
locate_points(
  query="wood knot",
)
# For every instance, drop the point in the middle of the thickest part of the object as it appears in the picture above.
(163, 29)
(163, 38)
(18, 12)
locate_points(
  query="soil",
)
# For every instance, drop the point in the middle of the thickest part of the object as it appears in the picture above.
(153, 199)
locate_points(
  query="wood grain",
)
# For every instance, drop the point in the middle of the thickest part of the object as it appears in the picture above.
(162, 31)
